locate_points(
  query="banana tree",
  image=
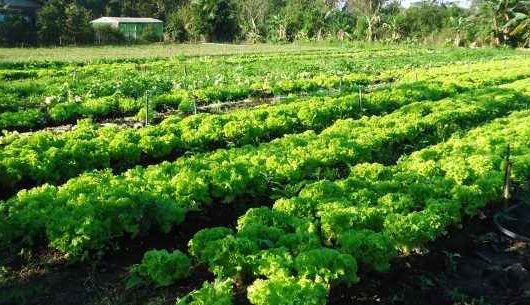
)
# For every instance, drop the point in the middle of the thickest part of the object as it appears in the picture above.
(391, 27)
(508, 18)
(499, 10)
(370, 11)
(520, 25)
(458, 25)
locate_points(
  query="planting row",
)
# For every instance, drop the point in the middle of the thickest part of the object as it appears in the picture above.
(292, 254)
(133, 80)
(82, 62)
(47, 157)
(67, 108)
(116, 90)
(89, 212)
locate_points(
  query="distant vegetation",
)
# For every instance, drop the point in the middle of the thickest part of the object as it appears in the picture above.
(486, 22)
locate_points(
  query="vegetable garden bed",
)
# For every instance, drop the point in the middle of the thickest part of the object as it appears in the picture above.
(384, 196)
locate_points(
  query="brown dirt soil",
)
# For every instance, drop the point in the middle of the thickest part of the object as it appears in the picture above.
(473, 265)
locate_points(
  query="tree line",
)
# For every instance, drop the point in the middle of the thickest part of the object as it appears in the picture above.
(485, 22)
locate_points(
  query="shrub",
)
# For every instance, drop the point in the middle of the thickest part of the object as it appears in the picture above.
(149, 35)
(176, 25)
(15, 29)
(106, 34)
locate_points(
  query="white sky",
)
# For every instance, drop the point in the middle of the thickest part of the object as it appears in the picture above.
(462, 3)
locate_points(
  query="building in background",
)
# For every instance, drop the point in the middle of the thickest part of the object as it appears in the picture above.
(132, 28)
(27, 8)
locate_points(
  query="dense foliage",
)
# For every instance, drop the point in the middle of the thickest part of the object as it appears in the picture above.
(485, 22)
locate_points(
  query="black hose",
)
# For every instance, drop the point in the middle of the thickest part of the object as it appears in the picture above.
(497, 219)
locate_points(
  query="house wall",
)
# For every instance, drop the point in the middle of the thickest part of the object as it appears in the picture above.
(135, 31)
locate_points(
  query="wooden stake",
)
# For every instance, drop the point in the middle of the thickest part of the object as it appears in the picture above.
(360, 98)
(507, 177)
(146, 108)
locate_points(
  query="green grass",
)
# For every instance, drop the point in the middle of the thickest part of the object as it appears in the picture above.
(76, 54)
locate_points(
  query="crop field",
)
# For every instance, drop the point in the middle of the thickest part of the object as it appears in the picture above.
(263, 175)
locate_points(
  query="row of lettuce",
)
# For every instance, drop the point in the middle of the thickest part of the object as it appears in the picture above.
(47, 157)
(34, 64)
(120, 88)
(255, 55)
(294, 252)
(132, 79)
(117, 90)
(87, 214)
(67, 107)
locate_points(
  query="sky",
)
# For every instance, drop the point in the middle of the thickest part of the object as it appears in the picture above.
(462, 3)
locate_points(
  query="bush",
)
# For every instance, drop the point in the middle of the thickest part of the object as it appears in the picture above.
(160, 268)
(176, 25)
(108, 35)
(214, 20)
(63, 22)
(149, 35)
